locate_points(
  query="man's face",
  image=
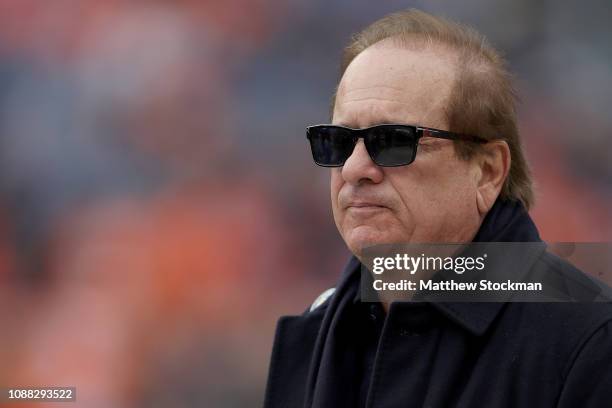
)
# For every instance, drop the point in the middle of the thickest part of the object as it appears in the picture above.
(431, 200)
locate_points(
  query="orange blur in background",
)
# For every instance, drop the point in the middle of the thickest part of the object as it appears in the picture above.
(159, 209)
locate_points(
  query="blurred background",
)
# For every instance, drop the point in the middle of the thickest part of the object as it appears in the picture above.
(159, 209)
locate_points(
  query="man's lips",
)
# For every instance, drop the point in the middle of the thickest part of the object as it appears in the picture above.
(365, 205)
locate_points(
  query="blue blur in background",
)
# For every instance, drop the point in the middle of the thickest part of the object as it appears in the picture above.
(159, 209)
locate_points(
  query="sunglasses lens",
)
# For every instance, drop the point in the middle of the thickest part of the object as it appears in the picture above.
(330, 146)
(392, 146)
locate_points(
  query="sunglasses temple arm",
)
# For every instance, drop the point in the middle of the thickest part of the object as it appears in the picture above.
(441, 134)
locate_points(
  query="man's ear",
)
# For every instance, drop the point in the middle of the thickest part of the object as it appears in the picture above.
(494, 165)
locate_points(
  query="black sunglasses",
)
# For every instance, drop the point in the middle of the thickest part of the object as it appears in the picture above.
(387, 145)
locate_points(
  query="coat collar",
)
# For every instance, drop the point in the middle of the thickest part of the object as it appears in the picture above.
(507, 221)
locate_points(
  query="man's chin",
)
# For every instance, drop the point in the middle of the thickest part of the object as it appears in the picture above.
(361, 238)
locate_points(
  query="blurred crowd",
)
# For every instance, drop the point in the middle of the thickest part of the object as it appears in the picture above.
(158, 206)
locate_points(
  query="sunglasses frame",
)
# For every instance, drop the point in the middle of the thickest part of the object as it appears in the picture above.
(418, 131)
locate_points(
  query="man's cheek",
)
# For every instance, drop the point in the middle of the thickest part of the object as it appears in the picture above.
(335, 185)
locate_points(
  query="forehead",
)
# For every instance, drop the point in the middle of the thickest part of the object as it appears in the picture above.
(391, 84)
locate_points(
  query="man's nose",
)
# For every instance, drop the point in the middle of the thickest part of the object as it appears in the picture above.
(360, 168)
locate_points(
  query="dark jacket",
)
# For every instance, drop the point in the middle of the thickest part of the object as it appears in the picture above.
(449, 354)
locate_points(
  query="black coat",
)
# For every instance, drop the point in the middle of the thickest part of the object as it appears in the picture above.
(448, 354)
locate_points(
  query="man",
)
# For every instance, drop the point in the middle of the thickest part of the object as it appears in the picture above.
(424, 148)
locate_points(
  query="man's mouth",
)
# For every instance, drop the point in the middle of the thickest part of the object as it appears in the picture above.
(364, 206)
